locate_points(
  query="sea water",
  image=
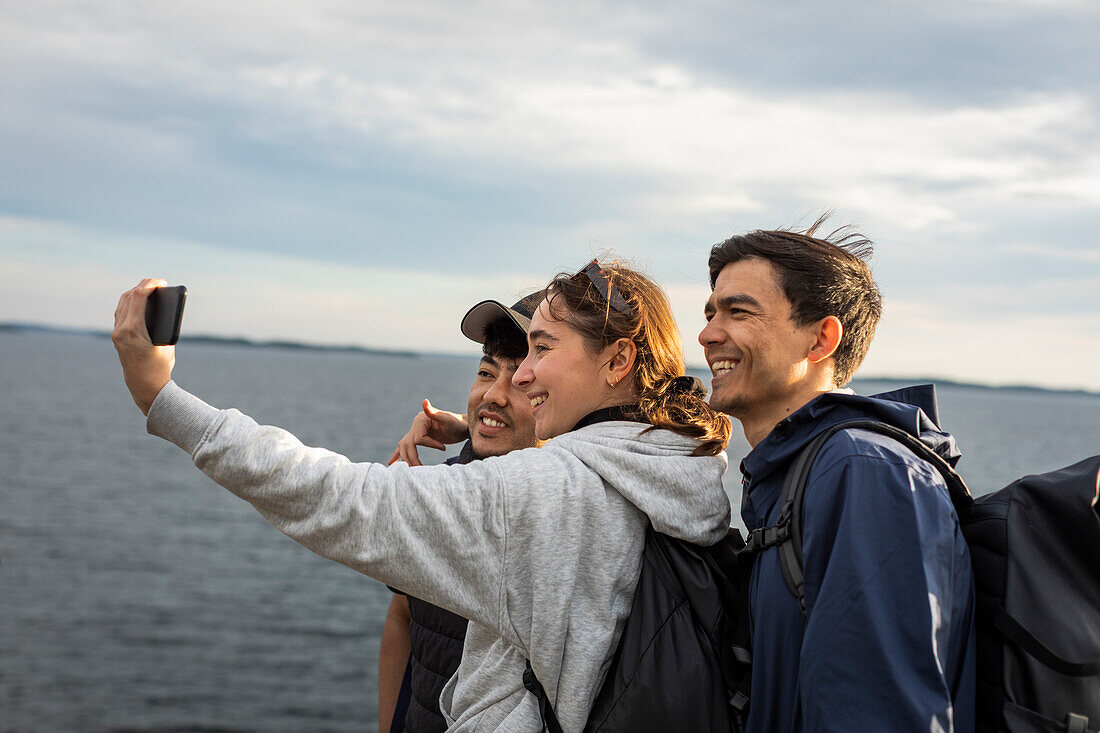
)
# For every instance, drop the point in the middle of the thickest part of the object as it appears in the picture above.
(137, 595)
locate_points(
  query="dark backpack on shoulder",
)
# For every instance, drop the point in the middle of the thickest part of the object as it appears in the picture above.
(1035, 550)
(1035, 546)
(682, 662)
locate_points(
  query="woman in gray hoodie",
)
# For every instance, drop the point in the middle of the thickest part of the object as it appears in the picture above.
(539, 548)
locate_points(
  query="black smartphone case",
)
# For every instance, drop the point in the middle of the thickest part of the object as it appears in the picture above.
(164, 314)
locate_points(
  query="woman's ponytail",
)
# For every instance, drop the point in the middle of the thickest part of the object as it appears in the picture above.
(680, 404)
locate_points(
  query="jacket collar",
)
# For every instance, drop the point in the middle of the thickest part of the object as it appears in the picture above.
(466, 455)
(912, 409)
(627, 413)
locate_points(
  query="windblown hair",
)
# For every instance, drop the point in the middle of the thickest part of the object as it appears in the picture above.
(663, 400)
(820, 276)
(505, 339)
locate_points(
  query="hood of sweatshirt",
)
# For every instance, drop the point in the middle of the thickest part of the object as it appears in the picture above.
(654, 470)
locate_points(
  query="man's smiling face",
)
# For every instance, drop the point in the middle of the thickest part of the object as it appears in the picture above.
(499, 414)
(757, 353)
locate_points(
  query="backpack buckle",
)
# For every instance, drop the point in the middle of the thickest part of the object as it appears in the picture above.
(738, 701)
(1077, 723)
(765, 537)
(531, 682)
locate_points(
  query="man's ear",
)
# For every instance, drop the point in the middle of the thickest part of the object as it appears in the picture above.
(828, 333)
(620, 357)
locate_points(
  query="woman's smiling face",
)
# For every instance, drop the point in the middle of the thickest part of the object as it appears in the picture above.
(563, 379)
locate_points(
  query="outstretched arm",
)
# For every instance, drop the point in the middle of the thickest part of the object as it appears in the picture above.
(367, 516)
(436, 532)
(145, 368)
(432, 428)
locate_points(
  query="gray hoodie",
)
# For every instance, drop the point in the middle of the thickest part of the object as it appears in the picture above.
(540, 548)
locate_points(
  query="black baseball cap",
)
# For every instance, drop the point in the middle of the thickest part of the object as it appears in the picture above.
(481, 315)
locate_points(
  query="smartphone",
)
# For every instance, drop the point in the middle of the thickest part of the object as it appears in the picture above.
(164, 314)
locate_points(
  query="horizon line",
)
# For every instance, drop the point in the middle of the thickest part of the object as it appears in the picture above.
(27, 327)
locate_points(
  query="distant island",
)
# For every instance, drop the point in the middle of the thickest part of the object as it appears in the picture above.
(942, 382)
(216, 340)
(296, 345)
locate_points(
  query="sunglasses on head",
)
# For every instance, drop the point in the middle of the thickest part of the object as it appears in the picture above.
(598, 277)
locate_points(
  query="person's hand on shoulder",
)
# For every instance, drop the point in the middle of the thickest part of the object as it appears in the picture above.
(145, 368)
(432, 428)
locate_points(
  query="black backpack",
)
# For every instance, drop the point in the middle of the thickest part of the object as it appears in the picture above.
(1035, 549)
(682, 662)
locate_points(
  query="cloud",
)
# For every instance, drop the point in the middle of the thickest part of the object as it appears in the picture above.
(465, 145)
(354, 82)
(942, 52)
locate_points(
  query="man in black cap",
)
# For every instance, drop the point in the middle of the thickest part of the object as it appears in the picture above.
(421, 643)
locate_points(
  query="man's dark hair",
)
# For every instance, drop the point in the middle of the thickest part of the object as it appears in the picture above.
(504, 339)
(820, 276)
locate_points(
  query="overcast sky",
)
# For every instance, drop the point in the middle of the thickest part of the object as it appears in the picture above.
(363, 172)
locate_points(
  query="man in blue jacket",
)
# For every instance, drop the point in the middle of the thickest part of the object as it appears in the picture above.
(886, 643)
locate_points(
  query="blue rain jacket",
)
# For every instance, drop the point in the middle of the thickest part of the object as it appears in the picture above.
(888, 642)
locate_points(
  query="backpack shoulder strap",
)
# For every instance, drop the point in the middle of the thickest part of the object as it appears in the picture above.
(549, 718)
(1015, 632)
(794, 490)
(790, 515)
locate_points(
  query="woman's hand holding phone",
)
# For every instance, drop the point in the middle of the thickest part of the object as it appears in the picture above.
(145, 368)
